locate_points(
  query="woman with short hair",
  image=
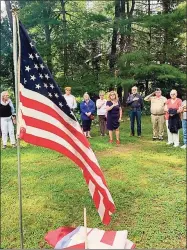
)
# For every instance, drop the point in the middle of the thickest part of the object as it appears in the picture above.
(101, 112)
(87, 109)
(7, 115)
(173, 108)
(114, 115)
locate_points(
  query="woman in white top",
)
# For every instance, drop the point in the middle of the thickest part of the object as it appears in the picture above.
(7, 115)
(70, 99)
(101, 112)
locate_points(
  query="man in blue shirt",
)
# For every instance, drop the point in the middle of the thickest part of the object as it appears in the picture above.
(135, 102)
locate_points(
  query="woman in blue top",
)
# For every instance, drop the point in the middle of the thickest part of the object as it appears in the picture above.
(87, 108)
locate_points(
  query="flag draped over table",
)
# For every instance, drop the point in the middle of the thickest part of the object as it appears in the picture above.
(46, 120)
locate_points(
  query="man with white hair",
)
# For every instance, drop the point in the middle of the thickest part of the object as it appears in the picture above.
(136, 105)
(157, 113)
(7, 115)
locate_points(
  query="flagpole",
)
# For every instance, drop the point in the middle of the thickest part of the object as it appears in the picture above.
(17, 78)
(85, 226)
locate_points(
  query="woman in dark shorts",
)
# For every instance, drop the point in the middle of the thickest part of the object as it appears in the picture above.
(87, 108)
(114, 115)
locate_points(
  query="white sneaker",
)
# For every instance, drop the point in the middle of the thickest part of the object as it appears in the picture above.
(184, 146)
(175, 146)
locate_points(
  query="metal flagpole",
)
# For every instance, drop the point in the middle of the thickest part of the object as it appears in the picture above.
(17, 81)
(85, 227)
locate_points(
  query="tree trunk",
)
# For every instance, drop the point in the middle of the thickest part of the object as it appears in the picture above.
(49, 51)
(112, 60)
(8, 10)
(129, 14)
(47, 30)
(65, 40)
(122, 30)
(166, 4)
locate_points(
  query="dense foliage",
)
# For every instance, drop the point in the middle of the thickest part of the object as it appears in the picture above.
(92, 45)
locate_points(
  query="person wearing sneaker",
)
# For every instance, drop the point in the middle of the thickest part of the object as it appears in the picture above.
(184, 123)
(101, 112)
(7, 115)
(173, 108)
(135, 102)
(157, 113)
(114, 115)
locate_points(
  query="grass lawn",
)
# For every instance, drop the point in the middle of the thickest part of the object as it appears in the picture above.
(146, 179)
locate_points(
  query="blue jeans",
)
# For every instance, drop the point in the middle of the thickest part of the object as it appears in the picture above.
(184, 128)
(135, 114)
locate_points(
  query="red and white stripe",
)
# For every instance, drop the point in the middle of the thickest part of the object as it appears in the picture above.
(42, 123)
(96, 239)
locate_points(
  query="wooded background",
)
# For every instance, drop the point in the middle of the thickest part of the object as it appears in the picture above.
(94, 45)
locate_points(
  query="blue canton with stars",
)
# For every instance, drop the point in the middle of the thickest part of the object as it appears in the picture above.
(36, 76)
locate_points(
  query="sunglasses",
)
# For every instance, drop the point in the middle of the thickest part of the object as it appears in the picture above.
(173, 94)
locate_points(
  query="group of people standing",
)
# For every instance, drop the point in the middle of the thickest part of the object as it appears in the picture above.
(172, 112)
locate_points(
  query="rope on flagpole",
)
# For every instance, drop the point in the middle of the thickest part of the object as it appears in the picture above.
(16, 60)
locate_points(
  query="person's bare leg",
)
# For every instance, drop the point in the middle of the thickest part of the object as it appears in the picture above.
(111, 135)
(89, 134)
(117, 135)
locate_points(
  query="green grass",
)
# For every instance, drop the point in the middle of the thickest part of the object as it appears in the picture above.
(146, 179)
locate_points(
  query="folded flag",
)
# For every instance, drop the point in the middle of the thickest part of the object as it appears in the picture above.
(66, 237)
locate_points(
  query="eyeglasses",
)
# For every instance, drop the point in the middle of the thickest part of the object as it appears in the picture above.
(112, 94)
(173, 94)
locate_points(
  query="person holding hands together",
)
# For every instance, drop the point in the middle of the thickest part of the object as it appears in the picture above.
(114, 115)
(87, 109)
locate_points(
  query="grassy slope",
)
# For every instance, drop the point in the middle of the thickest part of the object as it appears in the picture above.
(147, 181)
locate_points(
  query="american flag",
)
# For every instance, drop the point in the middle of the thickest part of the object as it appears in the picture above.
(74, 238)
(46, 120)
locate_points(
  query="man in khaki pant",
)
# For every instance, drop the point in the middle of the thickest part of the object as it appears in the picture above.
(157, 113)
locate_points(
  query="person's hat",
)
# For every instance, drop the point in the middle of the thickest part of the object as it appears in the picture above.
(67, 88)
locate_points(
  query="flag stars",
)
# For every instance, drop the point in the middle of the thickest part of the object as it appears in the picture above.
(25, 81)
(46, 76)
(42, 66)
(36, 66)
(49, 94)
(52, 86)
(33, 77)
(27, 68)
(60, 104)
(36, 55)
(37, 86)
(31, 56)
(31, 44)
(41, 76)
(56, 95)
(45, 85)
